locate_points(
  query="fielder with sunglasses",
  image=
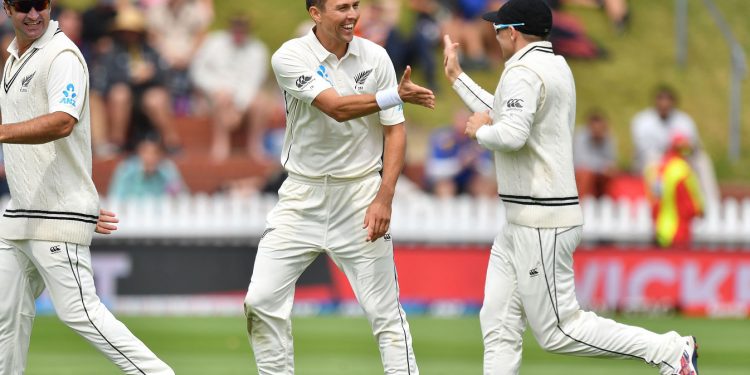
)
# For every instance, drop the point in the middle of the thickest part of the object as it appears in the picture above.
(46, 230)
(529, 124)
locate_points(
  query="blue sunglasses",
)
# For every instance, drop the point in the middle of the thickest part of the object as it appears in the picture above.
(500, 26)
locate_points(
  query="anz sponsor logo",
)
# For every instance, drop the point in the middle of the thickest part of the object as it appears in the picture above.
(323, 73)
(70, 95)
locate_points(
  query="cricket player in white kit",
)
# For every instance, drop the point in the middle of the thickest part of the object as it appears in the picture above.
(529, 124)
(345, 125)
(47, 227)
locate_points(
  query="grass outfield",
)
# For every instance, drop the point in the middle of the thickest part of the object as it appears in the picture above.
(336, 345)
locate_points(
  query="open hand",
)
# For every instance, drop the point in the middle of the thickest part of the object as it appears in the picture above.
(450, 59)
(412, 93)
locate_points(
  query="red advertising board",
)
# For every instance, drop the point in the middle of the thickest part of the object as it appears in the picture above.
(695, 282)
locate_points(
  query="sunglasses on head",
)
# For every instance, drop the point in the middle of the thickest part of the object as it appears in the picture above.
(24, 6)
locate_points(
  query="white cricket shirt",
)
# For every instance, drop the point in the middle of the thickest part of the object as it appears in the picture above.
(533, 113)
(52, 195)
(316, 145)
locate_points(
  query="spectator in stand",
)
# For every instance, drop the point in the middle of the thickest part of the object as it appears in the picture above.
(177, 29)
(652, 130)
(131, 77)
(378, 24)
(230, 70)
(457, 165)
(617, 11)
(594, 156)
(675, 194)
(96, 40)
(147, 174)
(569, 38)
(466, 28)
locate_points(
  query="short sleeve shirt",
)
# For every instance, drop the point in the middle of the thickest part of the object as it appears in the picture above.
(315, 144)
(66, 85)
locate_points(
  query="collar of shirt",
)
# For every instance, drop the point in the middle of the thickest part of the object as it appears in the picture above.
(518, 55)
(52, 29)
(321, 53)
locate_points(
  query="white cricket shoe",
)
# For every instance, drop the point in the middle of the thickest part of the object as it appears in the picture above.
(689, 359)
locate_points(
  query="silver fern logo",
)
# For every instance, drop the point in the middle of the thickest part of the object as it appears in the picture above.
(26, 81)
(361, 78)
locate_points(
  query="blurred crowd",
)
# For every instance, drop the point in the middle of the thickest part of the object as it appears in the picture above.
(153, 62)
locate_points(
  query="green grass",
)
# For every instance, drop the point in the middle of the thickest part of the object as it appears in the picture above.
(336, 345)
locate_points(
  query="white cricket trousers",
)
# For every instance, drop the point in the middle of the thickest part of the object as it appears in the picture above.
(26, 267)
(315, 216)
(530, 278)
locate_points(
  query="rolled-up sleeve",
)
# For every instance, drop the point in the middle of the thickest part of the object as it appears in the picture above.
(520, 96)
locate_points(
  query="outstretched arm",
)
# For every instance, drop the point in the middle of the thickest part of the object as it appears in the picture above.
(475, 97)
(344, 108)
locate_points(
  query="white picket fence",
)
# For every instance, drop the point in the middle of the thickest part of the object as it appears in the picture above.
(416, 218)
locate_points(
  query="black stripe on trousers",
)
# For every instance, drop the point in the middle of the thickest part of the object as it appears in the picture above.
(77, 277)
(555, 304)
(400, 316)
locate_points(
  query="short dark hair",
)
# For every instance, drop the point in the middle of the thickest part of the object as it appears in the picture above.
(664, 89)
(315, 3)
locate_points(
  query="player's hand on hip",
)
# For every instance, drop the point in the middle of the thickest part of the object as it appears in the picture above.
(476, 121)
(377, 220)
(106, 222)
(450, 59)
(412, 93)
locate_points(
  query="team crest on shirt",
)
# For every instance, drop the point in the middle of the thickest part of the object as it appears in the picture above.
(361, 78)
(69, 95)
(25, 81)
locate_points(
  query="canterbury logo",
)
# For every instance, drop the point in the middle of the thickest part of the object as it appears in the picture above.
(361, 77)
(533, 272)
(54, 249)
(515, 103)
(302, 81)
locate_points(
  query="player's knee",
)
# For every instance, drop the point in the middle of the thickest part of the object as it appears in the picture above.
(74, 315)
(256, 300)
(552, 342)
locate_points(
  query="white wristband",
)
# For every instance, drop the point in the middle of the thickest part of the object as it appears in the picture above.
(388, 98)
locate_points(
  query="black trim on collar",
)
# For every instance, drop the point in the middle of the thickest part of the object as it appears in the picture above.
(8, 84)
(544, 49)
